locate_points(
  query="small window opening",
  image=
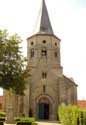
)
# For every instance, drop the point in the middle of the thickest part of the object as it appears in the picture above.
(32, 52)
(55, 44)
(32, 43)
(43, 88)
(44, 52)
(44, 41)
(44, 74)
(55, 54)
(30, 113)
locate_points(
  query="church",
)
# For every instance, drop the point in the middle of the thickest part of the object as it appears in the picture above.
(47, 87)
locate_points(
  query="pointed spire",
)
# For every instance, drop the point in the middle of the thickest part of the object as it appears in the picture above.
(43, 22)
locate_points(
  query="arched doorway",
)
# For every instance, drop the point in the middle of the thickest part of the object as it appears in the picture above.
(43, 108)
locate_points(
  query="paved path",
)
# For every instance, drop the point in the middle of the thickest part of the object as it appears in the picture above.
(48, 123)
(9, 124)
(43, 123)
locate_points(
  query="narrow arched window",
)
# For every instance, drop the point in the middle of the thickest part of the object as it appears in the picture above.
(55, 44)
(55, 54)
(44, 74)
(44, 52)
(43, 88)
(32, 53)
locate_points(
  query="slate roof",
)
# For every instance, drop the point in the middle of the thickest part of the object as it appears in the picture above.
(43, 24)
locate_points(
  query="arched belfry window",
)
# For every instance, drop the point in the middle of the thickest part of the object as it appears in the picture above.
(32, 53)
(44, 74)
(44, 52)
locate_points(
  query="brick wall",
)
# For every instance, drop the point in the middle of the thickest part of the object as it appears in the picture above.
(81, 104)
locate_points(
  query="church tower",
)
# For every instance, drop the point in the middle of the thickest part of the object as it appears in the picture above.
(48, 87)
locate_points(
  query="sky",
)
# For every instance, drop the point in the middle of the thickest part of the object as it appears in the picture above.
(68, 19)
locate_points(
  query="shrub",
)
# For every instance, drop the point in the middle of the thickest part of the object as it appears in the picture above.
(25, 120)
(68, 115)
(2, 117)
(24, 123)
(82, 117)
(72, 115)
(17, 119)
(2, 114)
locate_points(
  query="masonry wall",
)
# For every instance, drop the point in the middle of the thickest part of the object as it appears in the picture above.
(53, 89)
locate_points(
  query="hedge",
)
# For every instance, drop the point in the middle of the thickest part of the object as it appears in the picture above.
(2, 114)
(72, 115)
(25, 120)
(24, 123)
(82, 117)
(2, 117)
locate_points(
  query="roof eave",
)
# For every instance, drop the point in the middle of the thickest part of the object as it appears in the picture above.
(70, 80)
(44, 35)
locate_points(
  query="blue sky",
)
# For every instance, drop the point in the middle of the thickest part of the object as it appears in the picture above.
(81, 3)
(68, 18)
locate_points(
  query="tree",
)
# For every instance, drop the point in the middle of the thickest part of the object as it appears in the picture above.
(11, 63)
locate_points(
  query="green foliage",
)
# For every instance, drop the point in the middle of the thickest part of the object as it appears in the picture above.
(25, 119)
(82, 117)
(17, 119)
(11, 63)
(2, 114)
(72, 115)
(24, 123)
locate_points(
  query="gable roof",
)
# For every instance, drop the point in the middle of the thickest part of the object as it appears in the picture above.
(70, 79)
